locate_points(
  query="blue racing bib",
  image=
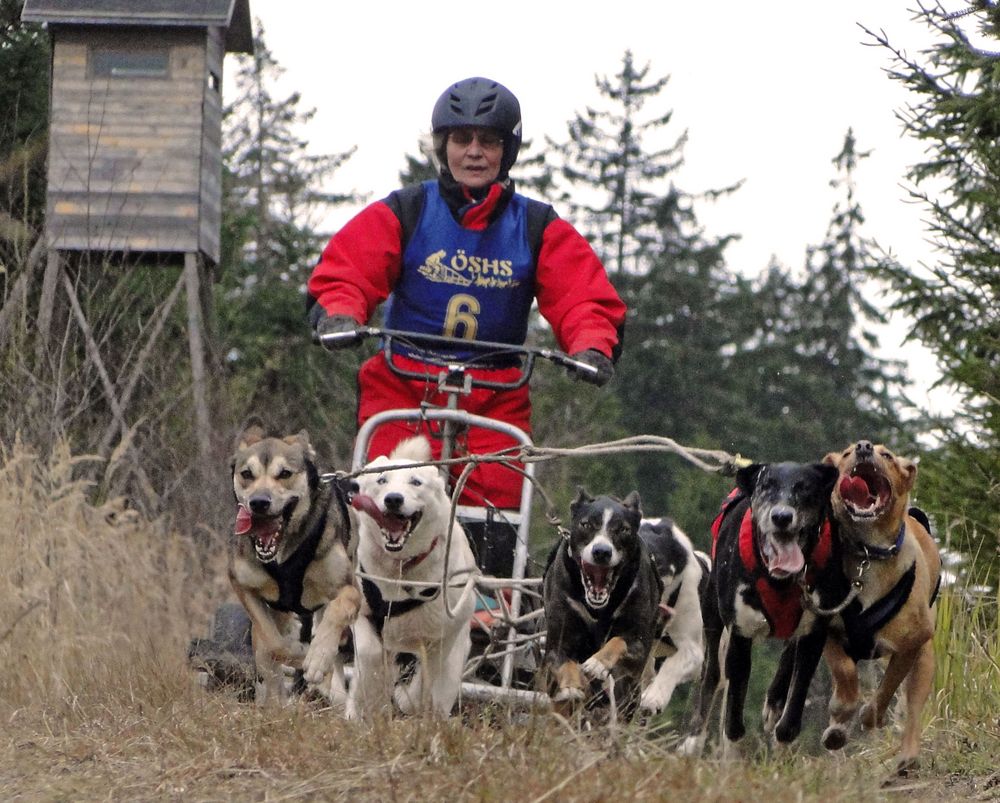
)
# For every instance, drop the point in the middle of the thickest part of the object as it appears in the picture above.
(477, 285)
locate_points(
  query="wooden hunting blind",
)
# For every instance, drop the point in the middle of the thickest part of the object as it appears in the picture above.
(136, 116)
(135, 149)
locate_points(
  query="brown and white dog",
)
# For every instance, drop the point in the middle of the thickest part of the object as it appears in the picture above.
(291, 561)
(892, 558)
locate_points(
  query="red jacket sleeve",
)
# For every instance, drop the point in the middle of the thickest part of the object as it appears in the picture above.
(360, 265)
(574, 293)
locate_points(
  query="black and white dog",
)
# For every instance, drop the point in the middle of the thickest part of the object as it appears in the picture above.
(602, 594)
(680, 647)
(772, 538)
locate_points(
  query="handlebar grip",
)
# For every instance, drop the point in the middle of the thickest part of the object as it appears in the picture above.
(579, 366)
(333, 340)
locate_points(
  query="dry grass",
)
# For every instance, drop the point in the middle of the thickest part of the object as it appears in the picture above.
(96, 609)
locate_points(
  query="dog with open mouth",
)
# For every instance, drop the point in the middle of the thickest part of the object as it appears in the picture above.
(772, 545)
(405, 551)
(601, 595)
(291, 560)
(894, 563)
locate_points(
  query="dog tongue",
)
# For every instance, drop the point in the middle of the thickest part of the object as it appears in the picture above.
(244, 521)
(855, 490)
(367, 505)
(787, 558)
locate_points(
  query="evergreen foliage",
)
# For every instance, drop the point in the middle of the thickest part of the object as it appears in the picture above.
(272, 202)
(24, 103)
(955, 301)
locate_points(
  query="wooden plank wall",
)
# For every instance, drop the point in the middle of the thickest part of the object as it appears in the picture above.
(125, 154)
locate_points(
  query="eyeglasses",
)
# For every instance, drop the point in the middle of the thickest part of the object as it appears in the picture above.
(488, 140)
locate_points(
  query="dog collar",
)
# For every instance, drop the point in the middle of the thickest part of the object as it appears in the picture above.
(869, 552)
(416, 560)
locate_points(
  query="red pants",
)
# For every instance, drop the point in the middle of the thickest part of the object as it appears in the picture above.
(490, 483)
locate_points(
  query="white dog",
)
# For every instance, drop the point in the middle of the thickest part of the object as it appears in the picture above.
(403, 514)
(684, 572)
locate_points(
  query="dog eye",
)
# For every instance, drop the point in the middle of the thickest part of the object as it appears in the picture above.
(247, 474)
(887, 454)
(382, 479)
(284, 474)
(416, 481)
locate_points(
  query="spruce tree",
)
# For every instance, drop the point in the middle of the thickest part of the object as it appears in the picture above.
(814, 382)
(24, 103)
(670, 274)
(273, 201)
(954, 301)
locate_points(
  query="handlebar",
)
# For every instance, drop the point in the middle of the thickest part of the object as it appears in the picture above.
(424, 344)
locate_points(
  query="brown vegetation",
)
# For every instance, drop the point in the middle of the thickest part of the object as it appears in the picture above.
(96, 608)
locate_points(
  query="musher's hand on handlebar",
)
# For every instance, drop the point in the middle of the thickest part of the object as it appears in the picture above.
(603, 368)
(338, 332)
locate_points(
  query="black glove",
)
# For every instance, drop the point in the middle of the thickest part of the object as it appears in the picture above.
(594, 358)
(337, 325)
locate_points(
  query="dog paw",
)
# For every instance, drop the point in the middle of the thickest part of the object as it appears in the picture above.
(869, 717)
(568, 694)
(692, 746)
(770, 716)
(653, 701)
(595, 668)
(786, 732)
(319, 660)
(834, 737)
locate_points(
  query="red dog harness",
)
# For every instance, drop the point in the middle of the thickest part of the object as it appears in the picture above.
(782, 600)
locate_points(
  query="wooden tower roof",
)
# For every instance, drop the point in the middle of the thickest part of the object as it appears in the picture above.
(232, 15)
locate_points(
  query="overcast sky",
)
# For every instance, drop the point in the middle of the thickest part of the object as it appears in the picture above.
(766, 92)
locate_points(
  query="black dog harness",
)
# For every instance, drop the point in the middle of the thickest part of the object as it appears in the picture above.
(861, 625)
(383, 610)
(290, 574)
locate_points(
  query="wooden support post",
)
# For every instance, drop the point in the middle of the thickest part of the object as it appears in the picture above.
(47, 303)
(196, 343)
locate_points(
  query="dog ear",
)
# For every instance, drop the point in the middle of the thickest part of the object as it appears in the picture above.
(828, 475)
(746, 477)
(582, 498)
(832, 458)
(909, 469)
(253, 432)
(302, 438)
(632, 502)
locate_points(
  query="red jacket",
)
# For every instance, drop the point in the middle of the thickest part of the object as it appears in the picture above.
(361, 263)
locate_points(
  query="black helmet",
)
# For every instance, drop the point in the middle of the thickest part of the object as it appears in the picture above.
(481, 103)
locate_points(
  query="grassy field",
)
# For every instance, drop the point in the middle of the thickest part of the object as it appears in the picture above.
(97, 703)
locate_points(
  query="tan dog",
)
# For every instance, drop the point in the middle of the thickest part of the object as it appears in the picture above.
(291, 560)
(894, 563)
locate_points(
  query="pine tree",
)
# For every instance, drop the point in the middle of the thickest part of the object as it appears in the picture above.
(807, 355)
(955, 301)
(671, 276)
(273, 198)
(24, 100)
(612, 179)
